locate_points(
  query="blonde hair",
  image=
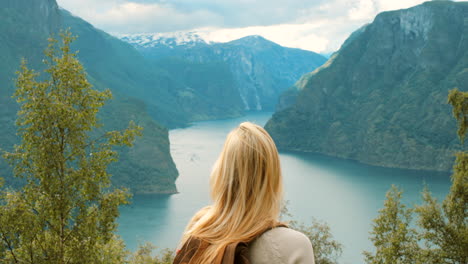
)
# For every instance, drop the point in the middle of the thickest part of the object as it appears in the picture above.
(246, 189)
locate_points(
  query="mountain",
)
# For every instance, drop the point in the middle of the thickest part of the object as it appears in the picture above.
(110, 63)
(169, 40)
(261, 69)
(170, 99)
(381, 99)
(209, 90)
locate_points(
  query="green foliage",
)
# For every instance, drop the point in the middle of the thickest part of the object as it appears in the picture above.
(66, 212)
(395, 241)
(459, 102)
(145, 255)
(445, 226)
(326, 249)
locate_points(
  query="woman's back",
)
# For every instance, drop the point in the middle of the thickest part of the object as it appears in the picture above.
(247, 194)
(281, 245)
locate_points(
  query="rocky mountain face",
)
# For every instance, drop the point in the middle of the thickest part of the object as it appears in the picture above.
(381, 99)
(25, 26)
(169, 41)
(41, 16)
(261, 69)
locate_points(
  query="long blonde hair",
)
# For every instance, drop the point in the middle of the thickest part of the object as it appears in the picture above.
(246, 189)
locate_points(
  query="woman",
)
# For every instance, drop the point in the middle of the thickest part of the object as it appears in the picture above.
(246, 189)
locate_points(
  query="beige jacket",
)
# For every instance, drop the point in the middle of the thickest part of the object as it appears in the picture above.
(281, 246)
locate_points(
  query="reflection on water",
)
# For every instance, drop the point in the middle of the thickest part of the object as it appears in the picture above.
(344, 193)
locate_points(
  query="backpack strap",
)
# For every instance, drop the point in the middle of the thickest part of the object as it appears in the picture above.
(238, 252)
(192, 248)
(234, 253)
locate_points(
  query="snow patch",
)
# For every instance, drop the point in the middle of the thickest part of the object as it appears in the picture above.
(170, 39)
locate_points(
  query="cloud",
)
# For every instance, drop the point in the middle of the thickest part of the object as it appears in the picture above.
(165, 15)
(290, 35)
(120, 17)
(363, 10)
(319, 25)
(319, 37)
(398, 4)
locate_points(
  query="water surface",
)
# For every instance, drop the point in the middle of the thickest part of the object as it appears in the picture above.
(345, 194)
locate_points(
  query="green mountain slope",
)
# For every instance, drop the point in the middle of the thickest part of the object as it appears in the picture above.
(116, 64)
(381, 99)
(172, 98)
(24, 28)
(209, 91)
(261, 69)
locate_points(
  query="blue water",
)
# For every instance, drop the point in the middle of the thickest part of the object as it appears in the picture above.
(345, 194)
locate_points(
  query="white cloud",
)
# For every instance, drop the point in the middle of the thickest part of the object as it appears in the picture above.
(118, 16)
(290, 35)
(142, 18)
(83, 7)
(318, 25)
(397, 4)
(363, 10)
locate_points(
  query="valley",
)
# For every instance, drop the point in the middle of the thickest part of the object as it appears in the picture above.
(348, 125)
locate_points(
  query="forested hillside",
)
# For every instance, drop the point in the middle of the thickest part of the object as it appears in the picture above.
(24, 29)
(382, 98)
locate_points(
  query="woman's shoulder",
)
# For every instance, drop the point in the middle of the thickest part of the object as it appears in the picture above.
(283, 246)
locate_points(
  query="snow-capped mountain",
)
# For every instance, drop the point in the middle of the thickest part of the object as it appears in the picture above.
(261, 69)
(171, 39)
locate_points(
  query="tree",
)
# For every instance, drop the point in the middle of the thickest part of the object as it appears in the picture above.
(66, 211)
(326, 249)
(145, 255)
(445, 225)
(442, 226)
(394, 240)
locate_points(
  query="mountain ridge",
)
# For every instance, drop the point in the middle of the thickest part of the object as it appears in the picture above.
(145, 168)
(167, 39)
(261, 68)
(381, 99)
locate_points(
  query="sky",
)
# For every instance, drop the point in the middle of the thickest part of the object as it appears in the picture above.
(316, 25)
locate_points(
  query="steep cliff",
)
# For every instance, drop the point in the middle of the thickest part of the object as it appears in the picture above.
(381, 99)
(25, 26)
